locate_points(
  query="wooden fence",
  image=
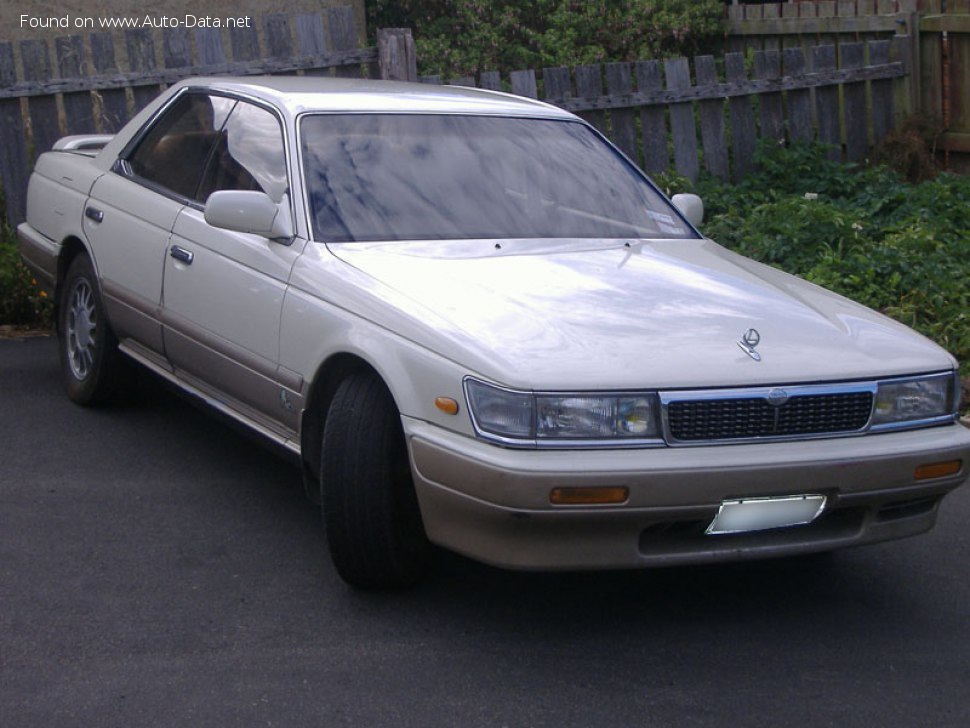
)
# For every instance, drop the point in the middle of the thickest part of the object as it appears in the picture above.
(939, 88)
(711, 112)
(77, 84)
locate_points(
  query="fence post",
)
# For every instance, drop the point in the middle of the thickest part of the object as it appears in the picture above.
(396, 54)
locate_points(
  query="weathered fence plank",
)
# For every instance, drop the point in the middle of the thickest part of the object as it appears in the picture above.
(43, 113)
(711, 115)
(827, 101)
(652, 119)
(279, 41)
(682, 126)
(800, 127)
(524, 83)
(208, 42)
(854, 105)
(114, 102)
(743, 134)
(78, 107)
(13, 167)
(557, 85)
(141, 59)
(343, 36)
(397, 55)
(589, 85)
(491, 80)
(176, 48)
(883, 111)
(244, 42)
(767, 65)
(619, 82)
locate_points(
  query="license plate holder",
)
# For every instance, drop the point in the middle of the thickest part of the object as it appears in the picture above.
(745, 515)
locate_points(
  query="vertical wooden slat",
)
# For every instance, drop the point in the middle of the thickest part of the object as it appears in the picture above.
(901, 51)
(491, 80)
(114, 103)
(208, 42)
(310, 38)
(865, 7)
(656, 157)
(279, 42)
(846, 8)
(343, 36)
(43, 109)
(589, 85)
(711, 115)
(619, 82)
(959, 77)
(141, 59)
(397, 57)
(78, 107)
(682, 126)
(854, 104)
(931, 74)
(767, 66)
(886, 7)
(524, 83)
(244, 42)
(556, 84)
(462, 81)
(742, 118)
(827, 101)
(176, 49)
(883, 108)
(13, 161)
(800, 100)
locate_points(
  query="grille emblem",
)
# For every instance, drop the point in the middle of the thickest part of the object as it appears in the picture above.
(749, 340)
(777, 397)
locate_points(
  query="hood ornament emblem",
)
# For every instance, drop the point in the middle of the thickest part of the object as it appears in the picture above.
(749, 340)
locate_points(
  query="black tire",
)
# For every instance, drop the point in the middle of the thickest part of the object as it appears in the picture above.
(90, 364)
(370, 509)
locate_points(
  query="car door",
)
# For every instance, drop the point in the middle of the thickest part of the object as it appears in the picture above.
(223, 290)
(132, 210)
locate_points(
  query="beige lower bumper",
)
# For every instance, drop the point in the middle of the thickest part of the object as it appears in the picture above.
(492, 504)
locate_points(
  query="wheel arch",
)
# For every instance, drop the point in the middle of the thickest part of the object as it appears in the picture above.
(323, 385)
(71, 247)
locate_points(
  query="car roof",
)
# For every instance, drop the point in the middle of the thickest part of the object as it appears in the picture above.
(299, 94)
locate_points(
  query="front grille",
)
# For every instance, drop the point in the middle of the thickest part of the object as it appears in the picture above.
(742, 418)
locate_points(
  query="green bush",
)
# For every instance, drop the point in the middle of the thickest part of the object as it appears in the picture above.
(22, 303)
(463, 37)
(901, 248)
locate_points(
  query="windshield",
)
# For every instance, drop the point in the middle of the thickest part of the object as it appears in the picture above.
(382, 177)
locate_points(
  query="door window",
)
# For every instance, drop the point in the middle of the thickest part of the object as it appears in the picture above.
(173, 153)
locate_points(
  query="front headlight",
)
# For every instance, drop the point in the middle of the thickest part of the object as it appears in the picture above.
(915, 400)
(525, 418)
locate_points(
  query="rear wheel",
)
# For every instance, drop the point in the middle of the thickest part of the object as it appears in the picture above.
(88, 349)
(370, 509)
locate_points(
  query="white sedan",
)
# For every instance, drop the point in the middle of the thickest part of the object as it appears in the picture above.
(477, 324)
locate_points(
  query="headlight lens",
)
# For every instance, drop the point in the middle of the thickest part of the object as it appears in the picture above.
(580, 416)
(915, 399)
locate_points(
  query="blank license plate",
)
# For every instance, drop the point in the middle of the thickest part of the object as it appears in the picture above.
(759, 514)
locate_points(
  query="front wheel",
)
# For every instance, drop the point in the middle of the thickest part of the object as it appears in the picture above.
(370, 509)
(88, 348)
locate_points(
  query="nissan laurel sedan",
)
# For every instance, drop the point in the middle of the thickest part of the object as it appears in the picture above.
(476, 324)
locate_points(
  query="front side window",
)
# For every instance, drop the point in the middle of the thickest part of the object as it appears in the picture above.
(249, 155)
(385, 177)
(174, 151)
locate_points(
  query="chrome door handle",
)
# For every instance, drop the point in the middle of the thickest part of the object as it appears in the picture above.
(180, 253)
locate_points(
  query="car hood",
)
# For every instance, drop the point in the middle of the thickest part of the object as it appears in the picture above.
(582, 314)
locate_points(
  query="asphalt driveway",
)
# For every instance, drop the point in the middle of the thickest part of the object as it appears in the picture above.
(158, 568)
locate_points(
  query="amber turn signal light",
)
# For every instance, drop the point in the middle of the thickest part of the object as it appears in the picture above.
(938, 470)
(446, 405)
(589, 496)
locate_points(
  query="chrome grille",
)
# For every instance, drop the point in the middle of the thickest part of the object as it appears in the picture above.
(738, 418)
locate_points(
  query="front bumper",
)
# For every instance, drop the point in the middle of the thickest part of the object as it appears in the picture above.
(492, 504)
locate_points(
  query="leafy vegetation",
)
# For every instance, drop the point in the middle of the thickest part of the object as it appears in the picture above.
(463, 37)
(22, 303)
(895, 246)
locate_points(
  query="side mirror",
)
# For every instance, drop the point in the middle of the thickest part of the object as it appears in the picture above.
(248, 212)
(691, 206)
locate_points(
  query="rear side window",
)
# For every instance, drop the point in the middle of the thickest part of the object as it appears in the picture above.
(175, 150)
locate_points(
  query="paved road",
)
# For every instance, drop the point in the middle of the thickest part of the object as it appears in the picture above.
(156, 568)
